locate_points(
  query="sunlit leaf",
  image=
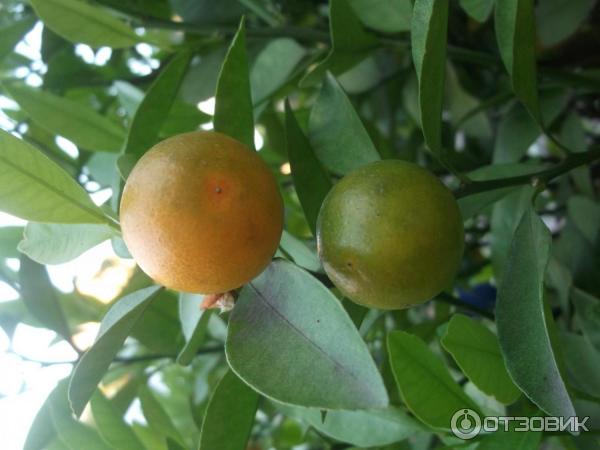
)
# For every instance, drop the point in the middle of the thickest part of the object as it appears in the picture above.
(150, 114)
(40, 298)
(35, 188)
(194, 324)
(49, 243)
(75, 121)
(82, 22)
(11, 34)
(115, 328)
(157, 417)
(233, 99)
(111, 425)
(42, 431)
(74, 434)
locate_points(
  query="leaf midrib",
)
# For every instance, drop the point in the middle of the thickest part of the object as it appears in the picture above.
(53, 189)
(307, 339)
(94, 123)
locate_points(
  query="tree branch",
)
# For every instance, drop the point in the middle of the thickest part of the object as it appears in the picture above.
(571, 162)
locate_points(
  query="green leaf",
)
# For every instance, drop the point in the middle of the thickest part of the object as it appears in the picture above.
(479, 10)
(49, 243)
(183, 118)
(229, 415)
(150, 114)
(129, 96)
(502, 440)
(582, 363)
(150, 437)
(39, 296)
(81, 124)
(9, 239)
(336, 132)
(425, 385)
(505, 218)
(81, 22)
(518, 131)
(42, 431)
(11, 34)
(162, 314)
(272, 67)
(74, 434)
(476, 203)
(194, 323)
(515, 33)
(585, 214)
(114, 329)
(363, 428)
(388, 16)
(172, 445)
(350, 43)
(522, 331)
(428, 38)
(289, 322)
(233, 99)
(157, 417)
(201, 80)
(299, 252)
(311, 181)
(477, 352)
(111, 425)
(460, 102)
(559, 19)
(35, 188)
(587, 308)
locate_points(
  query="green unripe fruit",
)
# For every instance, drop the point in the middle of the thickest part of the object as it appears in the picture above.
(390, 235)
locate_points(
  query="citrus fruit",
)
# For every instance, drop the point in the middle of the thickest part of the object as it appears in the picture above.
(390, 235)
(202, 213)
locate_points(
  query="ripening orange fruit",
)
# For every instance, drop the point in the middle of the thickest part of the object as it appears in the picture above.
(201, 212)
(390, 235)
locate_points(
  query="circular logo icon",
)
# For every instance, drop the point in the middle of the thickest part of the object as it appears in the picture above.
(465, 424)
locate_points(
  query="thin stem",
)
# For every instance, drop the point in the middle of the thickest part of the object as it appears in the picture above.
(300, 33)
(118, 359)
(312, 35)
(450, 299)
(571, 162)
